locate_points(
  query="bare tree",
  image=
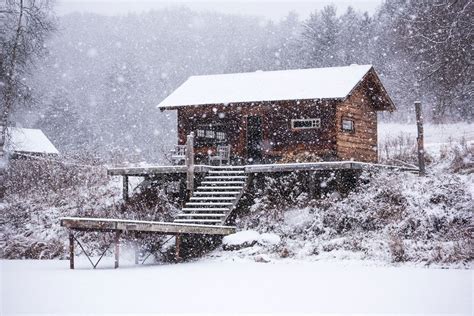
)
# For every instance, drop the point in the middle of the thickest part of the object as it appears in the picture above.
(24, 26)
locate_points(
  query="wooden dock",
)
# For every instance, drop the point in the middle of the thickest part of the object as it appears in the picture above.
(119, 226)
(166, 228)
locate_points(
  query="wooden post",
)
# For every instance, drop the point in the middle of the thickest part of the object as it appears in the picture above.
(190, 163)
(260, 181)
(117, 248)
(71, 251)
(125, 188)
(177, 246)
(420, 140)
(136, 249)
(312, 184)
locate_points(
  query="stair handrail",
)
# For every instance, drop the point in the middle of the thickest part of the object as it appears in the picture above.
(189, 162)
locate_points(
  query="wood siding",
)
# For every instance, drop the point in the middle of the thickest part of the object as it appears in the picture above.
(279, 139)
(361, 144)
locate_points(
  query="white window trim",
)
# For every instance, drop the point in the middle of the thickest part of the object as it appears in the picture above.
(351, 121)
(315, 123)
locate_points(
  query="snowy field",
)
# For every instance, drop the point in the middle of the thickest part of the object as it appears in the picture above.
(435, 136)
(289, 287)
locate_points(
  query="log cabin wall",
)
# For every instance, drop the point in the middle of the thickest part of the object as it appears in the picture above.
(360, 143)
(287, 144)
(228, 119)
(280, 142)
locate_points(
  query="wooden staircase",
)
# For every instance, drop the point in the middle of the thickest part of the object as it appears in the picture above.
(216, 197)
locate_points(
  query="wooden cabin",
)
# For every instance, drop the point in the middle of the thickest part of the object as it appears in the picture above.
(27, 142)
(304, 115)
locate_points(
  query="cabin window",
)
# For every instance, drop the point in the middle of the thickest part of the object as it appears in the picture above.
(220, 135)
(348, 125)
(201, 133)
(210, 135)
(306, 123)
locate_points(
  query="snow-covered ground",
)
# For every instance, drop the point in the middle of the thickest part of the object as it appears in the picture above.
(435, 135)
(290, 287)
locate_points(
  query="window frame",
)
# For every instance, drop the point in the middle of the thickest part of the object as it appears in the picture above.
(210, 135)
(316, 125)
(350, 131)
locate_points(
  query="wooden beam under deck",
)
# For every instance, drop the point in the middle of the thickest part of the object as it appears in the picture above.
(120, 225)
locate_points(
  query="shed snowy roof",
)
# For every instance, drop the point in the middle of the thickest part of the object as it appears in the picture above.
(29, 140)
(298, 84)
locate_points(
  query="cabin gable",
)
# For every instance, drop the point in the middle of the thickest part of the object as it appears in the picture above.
(356, 126)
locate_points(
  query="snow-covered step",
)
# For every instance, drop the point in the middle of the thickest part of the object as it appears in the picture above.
(220, 188)
(238, 172)
(208, 204)
(211, 198)
(194, 209)
(202, 215)
(216, 192)
(225, 177)
(199, 221)
(216, 196)
(222, 182)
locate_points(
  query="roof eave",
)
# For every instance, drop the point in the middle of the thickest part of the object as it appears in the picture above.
(248, 103)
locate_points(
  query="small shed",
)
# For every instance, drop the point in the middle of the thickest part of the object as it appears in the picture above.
(303, 115)
(28, 141)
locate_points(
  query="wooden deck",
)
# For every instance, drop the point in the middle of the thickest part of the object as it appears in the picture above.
(153, 170)
(260, 168)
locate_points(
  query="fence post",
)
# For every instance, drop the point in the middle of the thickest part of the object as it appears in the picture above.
(71, 250)
(420, 138)
(177, 255)
(125, 188)
(190, 163)
(117, 248)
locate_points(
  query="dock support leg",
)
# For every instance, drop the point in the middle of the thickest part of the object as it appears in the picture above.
(136, 248)
(260, 181)
(312, 184)
(71, 251)
(117, 248)
(177, 246)
(125, 188)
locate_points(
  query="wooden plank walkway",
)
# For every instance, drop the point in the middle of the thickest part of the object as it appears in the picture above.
(260, 168)
(151, 170)
(119, 226)
(167, 228)
(324, 165)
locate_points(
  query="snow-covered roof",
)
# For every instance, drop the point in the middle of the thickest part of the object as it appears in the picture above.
(298, 84)
(28, 140)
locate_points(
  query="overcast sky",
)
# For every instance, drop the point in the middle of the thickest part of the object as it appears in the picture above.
(268, 8)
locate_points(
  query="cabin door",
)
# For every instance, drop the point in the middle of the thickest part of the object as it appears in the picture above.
(254, 139)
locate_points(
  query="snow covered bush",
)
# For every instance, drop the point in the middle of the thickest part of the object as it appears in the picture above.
(39, 192)
(390, 216)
